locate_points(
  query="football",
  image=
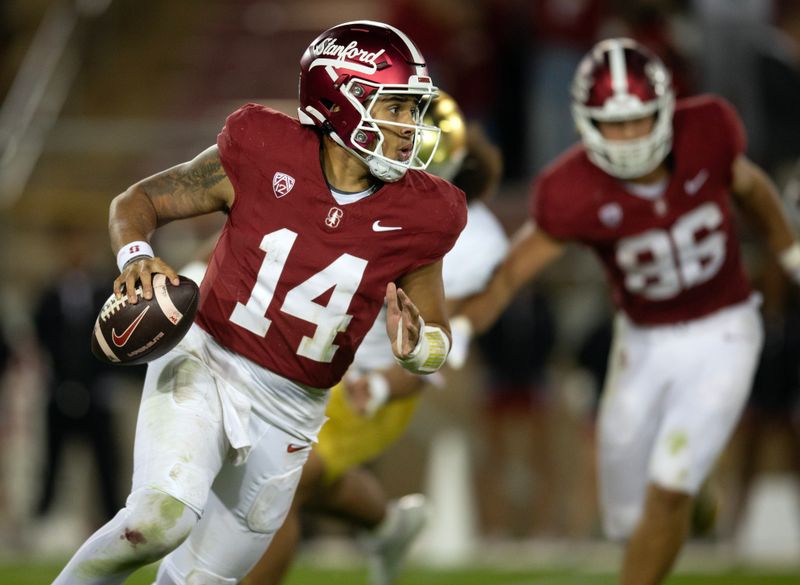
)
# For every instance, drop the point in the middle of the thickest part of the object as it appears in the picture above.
(127, 334)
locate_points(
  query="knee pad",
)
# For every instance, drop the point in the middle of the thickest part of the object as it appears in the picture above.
(272, 504)
(156, 523)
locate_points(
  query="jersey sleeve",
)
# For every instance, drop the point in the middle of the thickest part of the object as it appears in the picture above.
(251, 134)
(230, 142)
(445, 222)
(732, 129)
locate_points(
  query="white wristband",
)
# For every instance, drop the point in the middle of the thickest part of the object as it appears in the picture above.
(133, 250)
(790, 261)
(379, 392)
(461, 331)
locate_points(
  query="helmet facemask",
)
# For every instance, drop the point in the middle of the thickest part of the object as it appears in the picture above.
(367, 139)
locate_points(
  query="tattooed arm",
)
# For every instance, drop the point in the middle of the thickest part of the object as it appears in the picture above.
(190, 189)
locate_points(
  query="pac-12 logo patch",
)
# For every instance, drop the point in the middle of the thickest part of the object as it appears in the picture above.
(610, 215)
(282, 184)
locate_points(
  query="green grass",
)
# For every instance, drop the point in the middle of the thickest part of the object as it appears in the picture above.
(42, 574)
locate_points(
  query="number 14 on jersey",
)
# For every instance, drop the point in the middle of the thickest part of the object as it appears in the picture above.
(343, 275)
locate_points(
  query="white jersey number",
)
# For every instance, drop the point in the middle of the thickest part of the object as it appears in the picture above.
(343, 275)
(659, 264)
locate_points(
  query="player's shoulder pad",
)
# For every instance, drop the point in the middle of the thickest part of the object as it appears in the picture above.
(256, 118)
(711, 115)
(436, 191)
(706, 108)
(443, 205)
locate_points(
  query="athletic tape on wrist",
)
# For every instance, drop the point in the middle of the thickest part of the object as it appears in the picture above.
(133, 250)
(790, 261)
(430, 352)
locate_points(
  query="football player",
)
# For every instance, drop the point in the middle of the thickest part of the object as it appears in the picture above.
(373, 406)
(650, 192)
(328, 215)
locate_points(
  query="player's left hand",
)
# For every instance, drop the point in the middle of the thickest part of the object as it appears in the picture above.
(367, 394)
(402, 321)
(357, 392)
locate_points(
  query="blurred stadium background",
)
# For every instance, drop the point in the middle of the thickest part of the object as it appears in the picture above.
(99, 93)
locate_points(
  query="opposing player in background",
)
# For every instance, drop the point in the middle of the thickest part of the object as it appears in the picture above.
(374, 404)
(649, 191)
(307, 255)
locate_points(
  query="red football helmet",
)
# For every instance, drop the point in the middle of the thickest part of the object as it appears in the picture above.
(621, 80)
(345, 70)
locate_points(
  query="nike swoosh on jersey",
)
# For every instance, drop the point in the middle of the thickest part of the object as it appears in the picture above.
(120, 340)
(377, 227)
(294, 448)
(692, 186)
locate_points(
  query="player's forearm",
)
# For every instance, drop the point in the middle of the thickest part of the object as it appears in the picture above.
(764, 207)
(131, 218)
(483, 309)
(757, 195)
(402, 383)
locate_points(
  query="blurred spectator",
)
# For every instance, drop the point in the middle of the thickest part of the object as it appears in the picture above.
(650, 23)
(79, 387)
(454, 37)
(563, 30)
(730, 33)
(517, 472)
(778, 80)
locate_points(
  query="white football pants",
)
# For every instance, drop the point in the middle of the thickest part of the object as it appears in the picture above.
(672, 397)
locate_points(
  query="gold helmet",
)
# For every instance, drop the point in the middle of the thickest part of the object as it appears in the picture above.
(445, 114)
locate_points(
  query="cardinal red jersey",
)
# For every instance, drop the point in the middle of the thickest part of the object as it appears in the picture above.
(668, 259)
(297, 279)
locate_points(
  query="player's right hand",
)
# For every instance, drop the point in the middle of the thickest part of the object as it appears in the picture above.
(142, 270)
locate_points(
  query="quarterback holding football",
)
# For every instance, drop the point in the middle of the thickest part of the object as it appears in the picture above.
(650, 192)
(328, 215)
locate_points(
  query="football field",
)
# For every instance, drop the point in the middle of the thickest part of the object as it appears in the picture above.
(42, 574)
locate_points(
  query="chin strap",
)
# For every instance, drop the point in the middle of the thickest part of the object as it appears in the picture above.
(384, 170)
(380, 168)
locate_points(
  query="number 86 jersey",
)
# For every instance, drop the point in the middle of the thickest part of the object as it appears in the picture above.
(672, 255)
(297, 279)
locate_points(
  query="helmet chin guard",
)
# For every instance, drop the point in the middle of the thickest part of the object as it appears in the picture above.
(342, 75)
(620, 80)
